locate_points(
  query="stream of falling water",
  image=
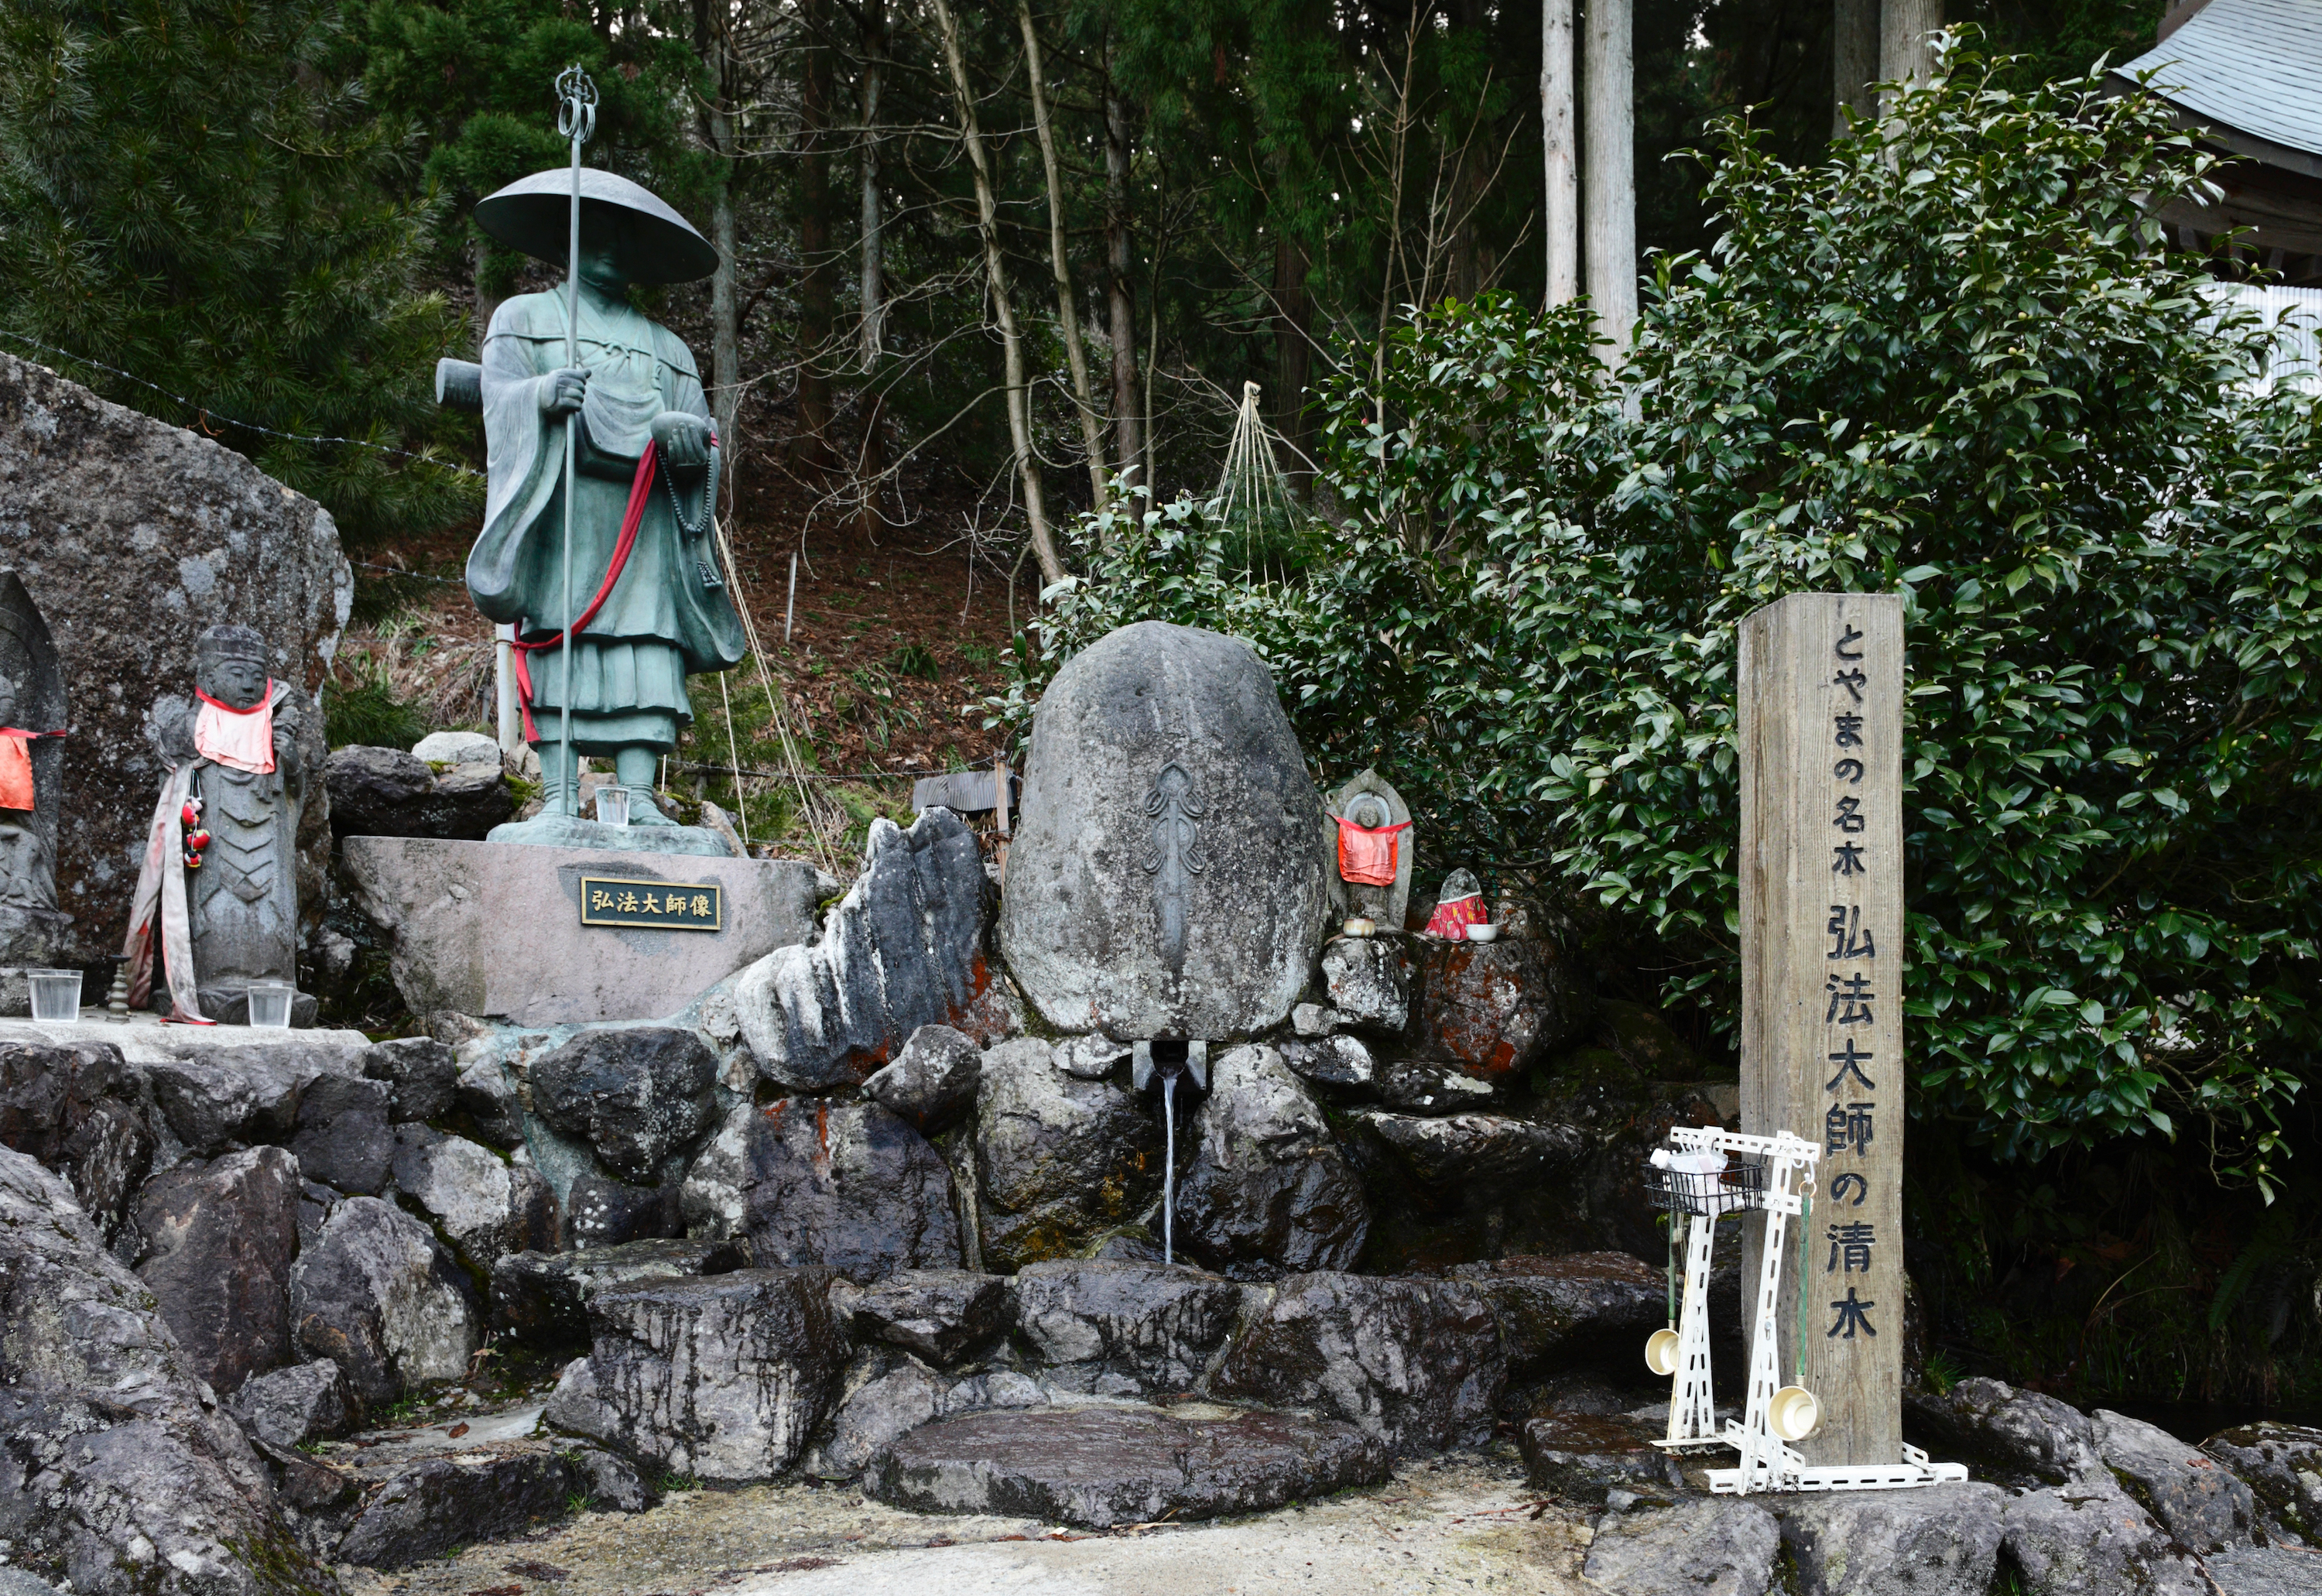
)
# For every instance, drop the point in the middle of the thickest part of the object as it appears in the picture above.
(1169, 1171)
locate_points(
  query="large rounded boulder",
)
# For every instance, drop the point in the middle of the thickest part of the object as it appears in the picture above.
(1169, 874)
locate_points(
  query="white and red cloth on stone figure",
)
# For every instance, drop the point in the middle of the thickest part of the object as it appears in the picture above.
(244, 740)
(1453, 915)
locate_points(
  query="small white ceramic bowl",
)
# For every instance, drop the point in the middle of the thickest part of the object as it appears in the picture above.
(1481, 933)
(1356, 926)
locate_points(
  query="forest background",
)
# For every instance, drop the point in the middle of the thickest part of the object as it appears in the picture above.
(261, 211)
(997, 282)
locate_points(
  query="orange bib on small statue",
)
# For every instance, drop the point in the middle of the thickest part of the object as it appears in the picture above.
(15, 770)
(1367, 855)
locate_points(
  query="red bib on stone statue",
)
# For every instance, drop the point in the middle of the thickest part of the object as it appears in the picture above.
(1367, 855)
(1453, 915)
(15, 770)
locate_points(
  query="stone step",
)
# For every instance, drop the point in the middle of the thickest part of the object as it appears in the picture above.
(403, 1496)
(1582, 1456)
(1123, 1464)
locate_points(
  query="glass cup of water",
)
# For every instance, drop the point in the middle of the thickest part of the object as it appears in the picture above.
(56, 996)
(613, 805)
(270, 1005)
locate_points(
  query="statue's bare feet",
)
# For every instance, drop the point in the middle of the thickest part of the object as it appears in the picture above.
(644, 811)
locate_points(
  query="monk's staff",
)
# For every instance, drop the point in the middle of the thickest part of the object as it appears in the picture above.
(576, 119)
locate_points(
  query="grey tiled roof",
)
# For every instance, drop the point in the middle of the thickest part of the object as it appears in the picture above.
(2253, 65)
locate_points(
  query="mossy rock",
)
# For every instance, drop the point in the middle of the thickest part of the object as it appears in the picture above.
(1644, 1042)
(1585, 1066)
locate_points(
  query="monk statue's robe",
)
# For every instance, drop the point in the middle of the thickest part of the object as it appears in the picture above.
(671, 614)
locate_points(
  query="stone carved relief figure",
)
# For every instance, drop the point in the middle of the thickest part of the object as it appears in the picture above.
(32, 778)
(27, 859)
(221, 871)
(1175, 857)
(28, 867)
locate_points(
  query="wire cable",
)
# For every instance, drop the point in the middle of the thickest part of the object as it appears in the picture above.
(204, 412)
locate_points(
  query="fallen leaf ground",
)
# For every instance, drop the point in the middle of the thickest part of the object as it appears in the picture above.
(896, 634)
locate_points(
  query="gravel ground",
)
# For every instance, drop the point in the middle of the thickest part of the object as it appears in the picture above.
(1465, 1522)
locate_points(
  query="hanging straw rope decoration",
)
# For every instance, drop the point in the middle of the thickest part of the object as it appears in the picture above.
(1252, 486)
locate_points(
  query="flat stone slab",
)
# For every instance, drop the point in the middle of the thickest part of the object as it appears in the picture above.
(495, 929)
(144, 1039)
(391, 1447)
(413, 1493)
(1582, 1456)
(2266, 1571)
(1099, 1466)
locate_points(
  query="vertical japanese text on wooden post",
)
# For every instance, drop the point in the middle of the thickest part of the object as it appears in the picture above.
(1821, 700)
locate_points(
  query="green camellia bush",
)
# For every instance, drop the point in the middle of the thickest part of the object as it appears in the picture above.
(1952, 363)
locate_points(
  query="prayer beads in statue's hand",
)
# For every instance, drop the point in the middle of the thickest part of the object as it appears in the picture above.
(683, 439)
(565, 391)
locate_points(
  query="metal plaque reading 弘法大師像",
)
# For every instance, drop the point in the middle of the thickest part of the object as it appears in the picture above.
(652, 906)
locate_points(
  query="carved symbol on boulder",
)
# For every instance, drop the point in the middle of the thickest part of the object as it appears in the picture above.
(1174, 856)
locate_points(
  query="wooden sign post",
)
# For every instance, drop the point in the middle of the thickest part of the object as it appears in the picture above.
(1821, 705)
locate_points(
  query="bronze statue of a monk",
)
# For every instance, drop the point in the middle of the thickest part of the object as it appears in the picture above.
(667, 613)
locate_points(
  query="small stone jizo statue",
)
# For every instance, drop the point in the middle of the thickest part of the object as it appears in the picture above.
(1372, 844)
(1458, 907)
(27, 862)
(220, 880)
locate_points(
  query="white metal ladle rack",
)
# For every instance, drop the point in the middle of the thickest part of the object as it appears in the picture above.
(1766, 1463)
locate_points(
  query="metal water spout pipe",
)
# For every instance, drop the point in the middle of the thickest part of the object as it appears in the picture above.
(1166, 1059)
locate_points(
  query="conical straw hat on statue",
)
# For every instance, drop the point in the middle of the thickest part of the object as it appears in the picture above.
(533, 214)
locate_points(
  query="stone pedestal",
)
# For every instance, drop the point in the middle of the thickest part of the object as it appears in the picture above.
(35, 938)
(230, 1007)
(30, 939)
(494, 929)
(228, 1003)
(569, 832)
(1495, 1009)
